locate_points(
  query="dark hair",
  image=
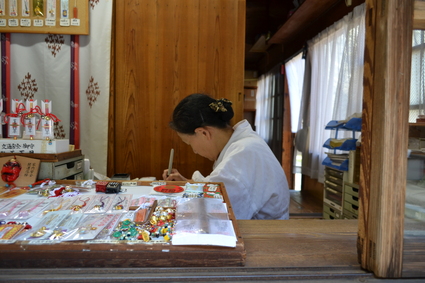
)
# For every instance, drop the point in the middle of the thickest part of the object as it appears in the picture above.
(200, 110)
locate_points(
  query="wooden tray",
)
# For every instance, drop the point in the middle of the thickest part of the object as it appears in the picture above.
(84, 254)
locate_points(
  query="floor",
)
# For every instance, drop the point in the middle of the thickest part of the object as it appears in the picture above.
(304, 206)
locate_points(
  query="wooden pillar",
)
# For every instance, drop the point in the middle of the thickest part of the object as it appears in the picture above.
(288, 137)
(384, 135)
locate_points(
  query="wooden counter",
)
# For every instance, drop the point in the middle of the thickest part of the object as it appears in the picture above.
(310, 249)
(299, 243)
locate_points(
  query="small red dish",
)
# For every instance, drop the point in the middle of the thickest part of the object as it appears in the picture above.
(168, 189)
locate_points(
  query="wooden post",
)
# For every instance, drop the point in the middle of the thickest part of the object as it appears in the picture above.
(288, 137)
(384, 135)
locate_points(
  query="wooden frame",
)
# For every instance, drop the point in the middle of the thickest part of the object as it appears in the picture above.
(40, 24)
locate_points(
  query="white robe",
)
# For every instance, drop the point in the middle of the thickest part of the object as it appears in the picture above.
(253, 177)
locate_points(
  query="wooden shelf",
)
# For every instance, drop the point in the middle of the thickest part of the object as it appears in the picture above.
(47, 157)
(41, 23)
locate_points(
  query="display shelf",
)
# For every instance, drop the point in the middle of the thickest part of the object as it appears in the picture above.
(353, 124)
(337, 173)
(46, 17)
(331, 213)
(343, 166)
(349, 144)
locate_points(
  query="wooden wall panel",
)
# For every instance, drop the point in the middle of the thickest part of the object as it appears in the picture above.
(165, 50)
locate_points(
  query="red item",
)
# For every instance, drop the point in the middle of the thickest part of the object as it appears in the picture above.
(101, 186)
(58, 192)
(10, 171)
(168, 189)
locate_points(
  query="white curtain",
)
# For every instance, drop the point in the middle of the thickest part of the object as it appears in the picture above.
(94, 86)
(263, 115)
(294, 69)
(40, 68)
(336, 82)
(417, 83)
(269, 105)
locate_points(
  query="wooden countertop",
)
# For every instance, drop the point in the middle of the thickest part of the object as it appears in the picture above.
(309, 249)
(299, 243)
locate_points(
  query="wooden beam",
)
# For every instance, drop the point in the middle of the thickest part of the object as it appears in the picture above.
(385, 128)
(419, 15)
(309, 11)
(294, 33)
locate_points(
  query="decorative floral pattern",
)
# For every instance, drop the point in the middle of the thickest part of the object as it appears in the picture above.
(28, 87)
(74, 66)
(92, 91)
(74, 125)
(54, 43)
(59, 131)
(93, 3)
(4, 60)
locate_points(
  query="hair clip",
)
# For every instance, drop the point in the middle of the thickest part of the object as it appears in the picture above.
(217, 106)
(224, 100)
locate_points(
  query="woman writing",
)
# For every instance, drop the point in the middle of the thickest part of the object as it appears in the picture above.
(254, 179)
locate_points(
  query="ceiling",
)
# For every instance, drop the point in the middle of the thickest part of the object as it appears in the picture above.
(264, 17)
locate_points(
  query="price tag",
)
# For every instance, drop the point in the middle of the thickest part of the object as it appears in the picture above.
(75, 22)
(64, 22)
(50, 22)
(13, 23)
(25, 22)
(38, 23)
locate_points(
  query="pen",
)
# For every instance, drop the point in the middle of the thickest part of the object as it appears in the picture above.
(170, 164)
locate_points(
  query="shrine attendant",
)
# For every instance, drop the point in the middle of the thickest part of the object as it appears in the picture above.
(254, 179)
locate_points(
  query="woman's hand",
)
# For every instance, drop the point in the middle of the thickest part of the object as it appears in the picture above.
(174, 176)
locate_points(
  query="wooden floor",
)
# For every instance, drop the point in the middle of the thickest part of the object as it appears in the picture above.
(304, 206)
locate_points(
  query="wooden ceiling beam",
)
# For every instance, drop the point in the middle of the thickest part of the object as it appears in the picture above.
(308, 12)
(419, 15)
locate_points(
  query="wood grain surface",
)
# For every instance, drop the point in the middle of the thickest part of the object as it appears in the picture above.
(384, 132)
(165, 50)
(312, 250)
